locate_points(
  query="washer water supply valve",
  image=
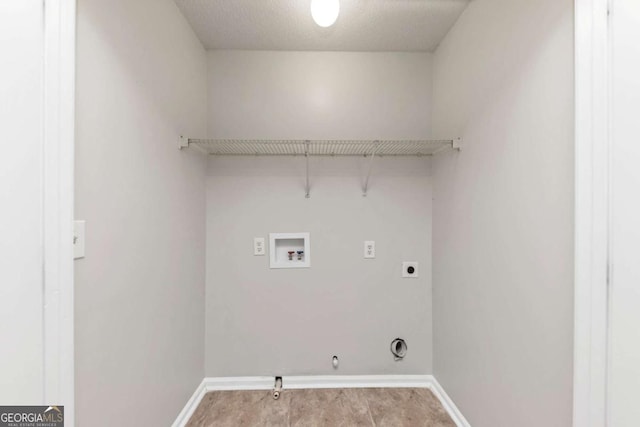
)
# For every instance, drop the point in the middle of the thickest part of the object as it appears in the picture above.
(277, 389)
(398, 348)
(291, 255)
(300, 254)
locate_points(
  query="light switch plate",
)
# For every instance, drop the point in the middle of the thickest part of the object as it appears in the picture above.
(258, 246)
(369, 249)
(78, 239)
(410, 269)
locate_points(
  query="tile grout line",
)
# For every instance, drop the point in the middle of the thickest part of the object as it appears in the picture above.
(289, 411)
(366, 400)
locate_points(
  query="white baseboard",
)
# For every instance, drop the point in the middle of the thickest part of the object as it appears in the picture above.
(355, 381)
(185, 415)
(448, 404)
(322, 381)
(239, 383)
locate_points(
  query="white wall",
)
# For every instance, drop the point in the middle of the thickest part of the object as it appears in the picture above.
(269, 322)
(140, 289)
(316, 95)
(21, 192)
(624, 375)
(503, 213)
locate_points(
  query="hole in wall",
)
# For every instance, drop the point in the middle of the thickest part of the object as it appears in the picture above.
(398, 348)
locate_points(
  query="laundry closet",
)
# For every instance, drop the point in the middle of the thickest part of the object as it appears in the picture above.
(390, 197)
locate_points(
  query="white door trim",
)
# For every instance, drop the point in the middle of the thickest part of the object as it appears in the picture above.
(592, 157)
(59, 126)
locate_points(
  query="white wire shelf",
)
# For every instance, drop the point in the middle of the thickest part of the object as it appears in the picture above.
(306, 149)
(242, 147)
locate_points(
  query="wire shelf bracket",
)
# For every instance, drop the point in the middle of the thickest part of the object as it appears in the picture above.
(366, 182)
(307, 187)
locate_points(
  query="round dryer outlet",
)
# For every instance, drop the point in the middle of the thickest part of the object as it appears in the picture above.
(410, 269)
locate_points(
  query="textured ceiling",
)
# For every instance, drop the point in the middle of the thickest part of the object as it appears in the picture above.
(363, 25)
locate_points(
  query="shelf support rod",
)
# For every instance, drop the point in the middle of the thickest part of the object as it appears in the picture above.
(183, 142)
(454, 145)
(306, 156)
(366, 182)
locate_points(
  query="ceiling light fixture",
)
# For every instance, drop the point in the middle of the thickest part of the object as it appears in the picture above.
(325, 12)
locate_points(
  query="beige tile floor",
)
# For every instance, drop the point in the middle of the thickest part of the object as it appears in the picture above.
(395, 407)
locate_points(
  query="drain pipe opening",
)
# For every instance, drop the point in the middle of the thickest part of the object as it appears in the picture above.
(398, 348)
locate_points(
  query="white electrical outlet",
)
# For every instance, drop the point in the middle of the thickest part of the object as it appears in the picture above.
(369, 249)
(78, 239)
(410, 269)
(258, 246)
